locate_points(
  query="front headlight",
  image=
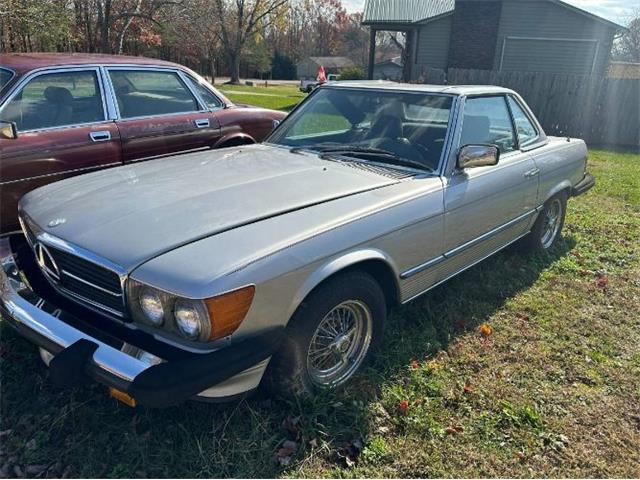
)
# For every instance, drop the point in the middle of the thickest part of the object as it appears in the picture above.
(151, 306)
(192, 319)
(200, 320)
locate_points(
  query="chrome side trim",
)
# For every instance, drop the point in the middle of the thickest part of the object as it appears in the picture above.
(422, 267)
(466, 267)
(486, 236)
(472, 243)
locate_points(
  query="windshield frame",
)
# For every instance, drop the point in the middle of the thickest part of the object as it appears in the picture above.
(444, 154)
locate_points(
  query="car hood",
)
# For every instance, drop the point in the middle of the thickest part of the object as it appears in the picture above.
(133, 213)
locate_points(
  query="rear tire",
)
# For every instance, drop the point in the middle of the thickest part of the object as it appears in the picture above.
(330, 336)
(548, 226)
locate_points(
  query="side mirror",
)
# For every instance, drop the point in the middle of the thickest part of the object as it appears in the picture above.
(471, 156)
(8, 130)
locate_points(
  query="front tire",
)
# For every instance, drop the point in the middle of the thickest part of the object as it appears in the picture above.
(330, 336)
(548, 226)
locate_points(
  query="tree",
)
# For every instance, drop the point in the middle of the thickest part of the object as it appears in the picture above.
(283, 67)
(238, 21)
(627, 47)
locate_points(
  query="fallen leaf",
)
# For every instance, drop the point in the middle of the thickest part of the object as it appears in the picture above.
(454, 429)
(290, 424)
(521, 456)
(403, 406)
(485, 330)
(522, 316)
(285, 452)
(603, 282)
(468, 388)
(414, 364)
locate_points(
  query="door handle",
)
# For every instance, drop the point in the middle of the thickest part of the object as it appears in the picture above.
(101, 136)
(202, 122)
(532, 173)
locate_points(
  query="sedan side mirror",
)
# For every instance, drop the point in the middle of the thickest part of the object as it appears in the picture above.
(8, 130)
(471, 156)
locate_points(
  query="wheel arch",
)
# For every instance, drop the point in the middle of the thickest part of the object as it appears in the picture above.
(234, 140)
(563, 186)
(374, 262)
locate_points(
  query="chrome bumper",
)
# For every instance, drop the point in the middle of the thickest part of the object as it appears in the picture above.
(38, 321)
(49, 332)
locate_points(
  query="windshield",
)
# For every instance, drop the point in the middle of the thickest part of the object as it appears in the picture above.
(392, 127)
(5, 76)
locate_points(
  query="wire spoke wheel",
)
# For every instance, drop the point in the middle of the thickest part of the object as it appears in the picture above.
(340, 343)
(551, 224)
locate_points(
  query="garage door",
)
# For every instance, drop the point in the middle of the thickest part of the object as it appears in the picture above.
(548, 55)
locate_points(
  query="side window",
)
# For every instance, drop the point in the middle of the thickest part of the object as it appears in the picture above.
(526, 130)
(207, 96)
(56, 100)
(487, 120)
(142, 93)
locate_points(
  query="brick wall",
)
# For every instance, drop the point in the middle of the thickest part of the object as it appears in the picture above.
(474, 34)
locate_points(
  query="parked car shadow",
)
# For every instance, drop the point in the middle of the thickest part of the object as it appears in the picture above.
(86, 433)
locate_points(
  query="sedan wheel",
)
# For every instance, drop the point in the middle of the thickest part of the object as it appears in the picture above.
(547, 227)
(340, 343)
(330, 336)
(551, 223)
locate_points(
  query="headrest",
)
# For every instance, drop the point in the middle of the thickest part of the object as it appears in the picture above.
(475, 129)
(58, 95)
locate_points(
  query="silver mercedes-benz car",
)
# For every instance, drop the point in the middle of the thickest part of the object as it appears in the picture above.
(204, 275)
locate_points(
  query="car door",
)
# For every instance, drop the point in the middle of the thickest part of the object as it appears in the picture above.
(158, 113)
(63, 130)
(487, 207)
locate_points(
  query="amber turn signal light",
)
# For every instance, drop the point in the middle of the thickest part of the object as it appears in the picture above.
(227, 311)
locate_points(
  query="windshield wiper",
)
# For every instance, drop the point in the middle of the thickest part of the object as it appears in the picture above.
(376, 154)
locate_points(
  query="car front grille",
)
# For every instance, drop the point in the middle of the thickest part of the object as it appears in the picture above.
(87, 281)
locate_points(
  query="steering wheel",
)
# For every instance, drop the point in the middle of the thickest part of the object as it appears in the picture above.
(404, 148)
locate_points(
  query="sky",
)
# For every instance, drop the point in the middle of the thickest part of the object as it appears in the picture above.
(618, 11)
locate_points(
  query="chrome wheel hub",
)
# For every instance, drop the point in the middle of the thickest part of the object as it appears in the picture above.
(340, 343)
(551, 225)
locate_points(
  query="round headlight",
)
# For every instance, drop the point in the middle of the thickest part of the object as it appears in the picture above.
(190, 320)
(151, 306)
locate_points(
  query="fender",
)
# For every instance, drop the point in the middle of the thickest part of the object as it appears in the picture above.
(563, 185)
(232, 138)
(337, 264)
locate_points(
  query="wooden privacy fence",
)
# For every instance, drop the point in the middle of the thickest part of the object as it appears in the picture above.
(600, 110)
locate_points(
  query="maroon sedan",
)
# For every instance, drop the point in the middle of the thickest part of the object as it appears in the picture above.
(66, 114)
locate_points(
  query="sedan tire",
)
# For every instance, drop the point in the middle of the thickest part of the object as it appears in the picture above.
(548, 226)
(330, 336)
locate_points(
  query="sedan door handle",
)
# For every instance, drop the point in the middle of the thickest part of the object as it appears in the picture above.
(101, 136)
(202, 122)
(532, 173)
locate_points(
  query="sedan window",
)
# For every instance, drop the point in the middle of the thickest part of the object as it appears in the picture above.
(211, 101)
(487, 121)
(527, 133)
(142, 93)
(56, 100)
(5, 76)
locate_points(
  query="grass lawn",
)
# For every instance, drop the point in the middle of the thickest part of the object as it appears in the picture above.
(278, 97)
(553, 391)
